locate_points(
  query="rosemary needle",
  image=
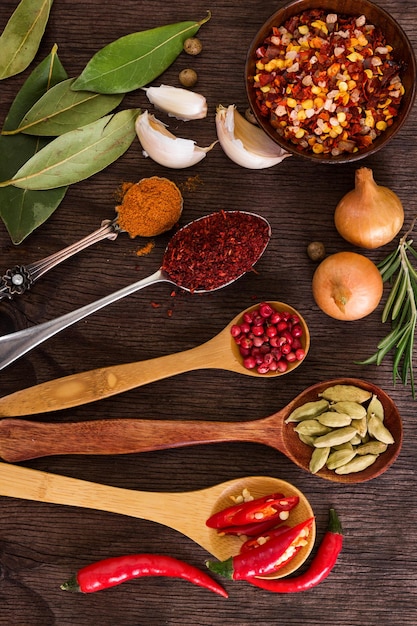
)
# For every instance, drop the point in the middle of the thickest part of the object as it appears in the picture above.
(401, 309)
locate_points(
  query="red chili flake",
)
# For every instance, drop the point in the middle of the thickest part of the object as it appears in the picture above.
(155, 305)
(328, 83)
(215, 250)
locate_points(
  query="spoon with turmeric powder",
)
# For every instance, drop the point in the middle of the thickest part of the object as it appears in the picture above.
(147, 209)
(205, 255)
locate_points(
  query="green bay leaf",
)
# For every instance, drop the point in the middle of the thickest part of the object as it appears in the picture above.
(136, 59)
(61, 109)
(22, 35)
(21, 210)
(78, 154)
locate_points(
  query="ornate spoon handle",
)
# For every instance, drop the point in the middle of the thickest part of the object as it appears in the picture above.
(20, 278)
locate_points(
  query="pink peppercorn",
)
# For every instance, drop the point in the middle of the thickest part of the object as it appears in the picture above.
(269, 340)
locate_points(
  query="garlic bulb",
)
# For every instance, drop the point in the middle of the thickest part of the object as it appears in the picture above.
(163, 147)
(369, 215)
(180, 103)
(246, 144)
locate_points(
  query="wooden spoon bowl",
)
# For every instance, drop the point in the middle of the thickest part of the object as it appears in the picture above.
(185, 512)
(23, 439)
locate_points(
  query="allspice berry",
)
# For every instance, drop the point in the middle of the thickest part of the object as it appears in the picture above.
(193, 46)
(316, 251)
(188, 77)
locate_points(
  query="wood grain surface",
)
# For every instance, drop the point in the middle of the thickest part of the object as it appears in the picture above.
(41, 545)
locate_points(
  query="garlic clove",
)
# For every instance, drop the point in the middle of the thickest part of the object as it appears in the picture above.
(244, 143)
(164, 147)
(183, 104)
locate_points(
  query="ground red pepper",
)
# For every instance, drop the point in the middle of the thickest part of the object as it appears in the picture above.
(328, 83)
(215, 250)
(116, 570)
(320, 567)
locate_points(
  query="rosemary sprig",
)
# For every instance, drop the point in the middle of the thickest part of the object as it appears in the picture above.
(401, 309)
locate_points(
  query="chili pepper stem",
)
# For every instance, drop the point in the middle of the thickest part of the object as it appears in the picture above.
(334, 525)
(224, 568)
(71, 585)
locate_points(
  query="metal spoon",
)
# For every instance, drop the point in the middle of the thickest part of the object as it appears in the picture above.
(20, 278)
(185, 512)
(21, 439)
(220, 352)
(15, 345)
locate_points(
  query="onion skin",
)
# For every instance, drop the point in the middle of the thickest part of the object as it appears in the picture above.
(347, 286)
(370, 215)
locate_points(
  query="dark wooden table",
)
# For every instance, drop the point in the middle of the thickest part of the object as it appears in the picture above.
(374, 581)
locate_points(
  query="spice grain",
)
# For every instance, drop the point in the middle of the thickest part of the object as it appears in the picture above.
(328, 83)
(149, 207)
(215, 250)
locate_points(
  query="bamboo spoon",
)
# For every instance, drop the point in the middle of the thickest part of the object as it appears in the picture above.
(22, 439)
(15, 345)
(185, 512)
(220, 352)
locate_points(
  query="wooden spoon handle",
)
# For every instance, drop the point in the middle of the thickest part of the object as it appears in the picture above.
(22, 439)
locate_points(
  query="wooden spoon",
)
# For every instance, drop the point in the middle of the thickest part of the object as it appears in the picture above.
(185, 512)
(220, 352)
(23, 439)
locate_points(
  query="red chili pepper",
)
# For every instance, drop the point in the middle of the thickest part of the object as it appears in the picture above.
(252, 544)
(116, 570)
(250, 530)
(266, 559)
(320, 567)
(265, 508)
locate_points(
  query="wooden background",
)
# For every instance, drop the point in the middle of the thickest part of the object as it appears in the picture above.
(374, 581)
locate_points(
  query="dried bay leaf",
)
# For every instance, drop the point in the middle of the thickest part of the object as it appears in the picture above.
(78, 154)
(21, 210)
(22, 35)
(61, 109)
(136, 59)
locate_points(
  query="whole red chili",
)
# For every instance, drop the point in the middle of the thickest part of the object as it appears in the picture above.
(320, 567)
(215, 250)
(258, 510)
(267, 558)
(116, 570)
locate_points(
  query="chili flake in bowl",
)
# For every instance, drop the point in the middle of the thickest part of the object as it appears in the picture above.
(331, 80)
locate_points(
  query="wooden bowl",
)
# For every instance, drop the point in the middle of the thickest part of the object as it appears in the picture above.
(394, 35)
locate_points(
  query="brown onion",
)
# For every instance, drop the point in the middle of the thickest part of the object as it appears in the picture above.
(347, 286)
(370, 215)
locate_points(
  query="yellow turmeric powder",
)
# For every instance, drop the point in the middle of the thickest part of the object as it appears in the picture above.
(149, 207)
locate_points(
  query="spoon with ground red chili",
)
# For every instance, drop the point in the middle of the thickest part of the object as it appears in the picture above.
(185, 512)
(205, 255)
(21, 439)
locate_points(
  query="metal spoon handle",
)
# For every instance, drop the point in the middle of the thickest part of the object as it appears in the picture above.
(20, 278)
(15, 345)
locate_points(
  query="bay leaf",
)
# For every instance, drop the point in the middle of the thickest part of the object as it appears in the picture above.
(135, 60)
(79, 153)
(61, 109)
(21, 210)
(22, 35)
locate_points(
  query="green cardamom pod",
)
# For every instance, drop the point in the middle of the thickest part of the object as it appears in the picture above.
(308, 410)
(378, 431)
(335, 437)
(354, 409)
(358, 464)
(345, 393)
(334, 419)
(318, 459)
